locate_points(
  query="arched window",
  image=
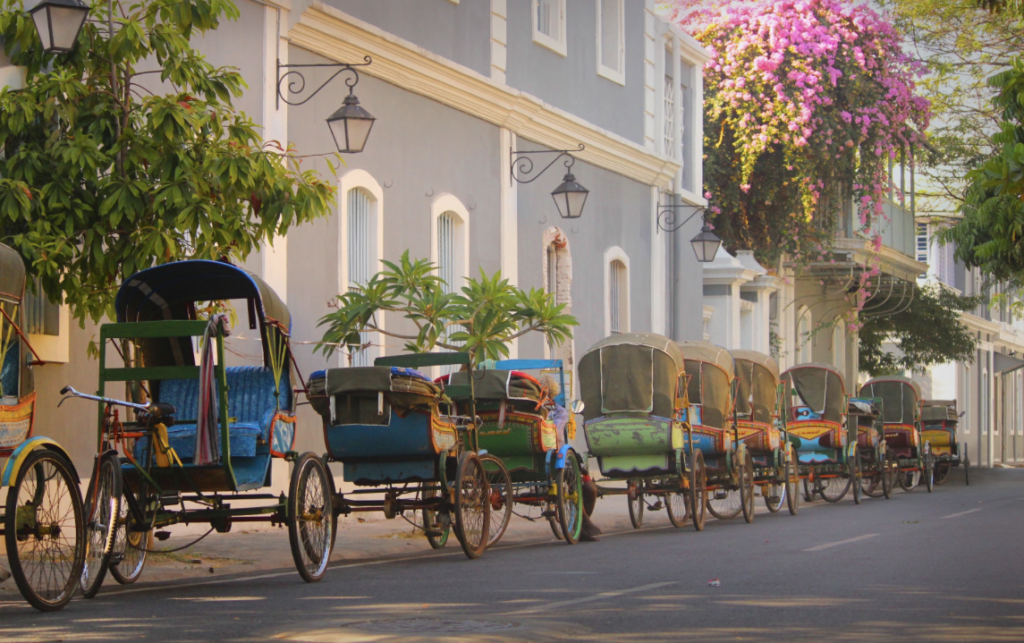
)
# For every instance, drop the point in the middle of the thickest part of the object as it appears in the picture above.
(616, 291)
(450, 248)
(803, 337)
(360, 248)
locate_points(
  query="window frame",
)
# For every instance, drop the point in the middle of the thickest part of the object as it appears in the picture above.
(358, 179)
(615, 75)
(612, 254)
(557, 45)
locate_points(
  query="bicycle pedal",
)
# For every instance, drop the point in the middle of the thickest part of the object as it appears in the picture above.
(436, 533)
(550, 513)
(162, 535)
(656, 506)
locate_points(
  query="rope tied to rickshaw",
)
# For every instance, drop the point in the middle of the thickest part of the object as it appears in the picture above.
(207, 443)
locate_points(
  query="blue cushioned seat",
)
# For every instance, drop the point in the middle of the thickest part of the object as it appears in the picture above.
(251, 409)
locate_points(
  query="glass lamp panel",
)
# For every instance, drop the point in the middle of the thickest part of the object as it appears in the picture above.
(42, 19)
(66, 21)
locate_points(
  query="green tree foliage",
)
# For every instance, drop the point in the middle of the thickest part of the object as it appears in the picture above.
(962, 45)
(991, 233)
(927, 332)
(482, 319)
(127, 152)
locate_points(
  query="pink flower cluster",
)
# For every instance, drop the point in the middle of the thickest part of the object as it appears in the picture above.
(824, 79)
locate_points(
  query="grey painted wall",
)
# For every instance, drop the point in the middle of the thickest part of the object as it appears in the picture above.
(571, 82)
(459, 32)
(417, 150)
(617, 213)
(687, 276)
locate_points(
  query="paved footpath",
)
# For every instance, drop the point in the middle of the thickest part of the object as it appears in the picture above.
(946, 566)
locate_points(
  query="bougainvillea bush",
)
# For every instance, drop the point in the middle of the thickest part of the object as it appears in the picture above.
(805, 103)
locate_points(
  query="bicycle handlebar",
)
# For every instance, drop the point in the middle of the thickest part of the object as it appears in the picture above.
(69, 391)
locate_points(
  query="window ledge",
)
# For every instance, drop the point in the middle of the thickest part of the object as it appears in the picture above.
(611, 74)
(548, 42)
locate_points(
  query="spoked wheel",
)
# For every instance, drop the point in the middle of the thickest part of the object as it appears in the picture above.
(310, 517)
(908, 479)
(855, 477)
(698, 490)
(102, 508)
(676, 505)
(746, 475)
(942, 472)
(890, 470)
(871, 485)
(556, 528)
(501, 499)
(437, 525)
(792, 481)
(472, 509)
(635, 496)
(808, 486)
(833, 489)
(929, 471)
(570, 499)
(45, 530)
(130, 545)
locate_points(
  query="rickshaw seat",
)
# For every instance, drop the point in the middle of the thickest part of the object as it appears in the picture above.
(251, 406)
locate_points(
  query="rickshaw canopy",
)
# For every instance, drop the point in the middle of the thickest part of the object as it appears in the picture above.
(12, 275)
(406, 389)
(939, 411)
(757, 379)
(631, 373)
(500, 385)
(711, 370)
(171, 290)
(820, 387)
(901, 396)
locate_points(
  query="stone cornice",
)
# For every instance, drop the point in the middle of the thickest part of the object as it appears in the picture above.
(335, 35)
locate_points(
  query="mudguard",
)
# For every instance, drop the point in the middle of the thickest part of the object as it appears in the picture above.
(22, 452)
(560, 459)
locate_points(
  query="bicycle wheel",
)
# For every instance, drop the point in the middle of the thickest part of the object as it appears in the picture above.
(792, 482)
(929, 471)
(941, 472)
(855, 478)
(130, 545)
(774, 492)
(570, 499)
(102, 507)
(45, 530)
(437, 525)
(833, 489)
(746, 480)
(500, 484)
(725, 504)
(636, 506)
(808, 489)
(676, 505)
(967, 467)
(310, 517)
(698, 490)
(472, 510)
(871, 484)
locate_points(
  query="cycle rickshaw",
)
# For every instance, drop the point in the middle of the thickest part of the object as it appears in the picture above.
(877, 476)
(208, 431)
(901, 414)
(711, 389)
(527, 461)
(43, 519)
(941, 424)
(633, 387)
(762, 428)
(402, 439)
(816, 407)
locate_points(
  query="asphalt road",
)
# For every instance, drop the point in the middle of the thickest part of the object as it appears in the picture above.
(946, 566)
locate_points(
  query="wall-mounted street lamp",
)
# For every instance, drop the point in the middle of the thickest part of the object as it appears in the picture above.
(705, 244)
(58, 23)
(351, 124)
(570, 196)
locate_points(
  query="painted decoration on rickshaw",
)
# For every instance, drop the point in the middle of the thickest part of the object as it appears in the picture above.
(16, 423)
(283, 434)
(940, 420)
(815, 407)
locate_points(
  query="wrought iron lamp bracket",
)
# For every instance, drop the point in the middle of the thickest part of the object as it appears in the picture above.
(667, 215)
(522, 166)
(298, 85)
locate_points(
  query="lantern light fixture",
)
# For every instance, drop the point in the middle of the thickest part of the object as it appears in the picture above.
(58, 23)
(570, 196)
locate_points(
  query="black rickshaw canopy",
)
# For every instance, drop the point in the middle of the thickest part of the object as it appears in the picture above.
(820, 387)
(902, 397)
(757, 377)
(171, 290)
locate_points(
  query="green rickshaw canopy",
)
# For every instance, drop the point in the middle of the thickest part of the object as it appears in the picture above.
(757, 380)
(711, 370)
(500, 385)
(820, 387)
(901, 396)
(631, 373)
